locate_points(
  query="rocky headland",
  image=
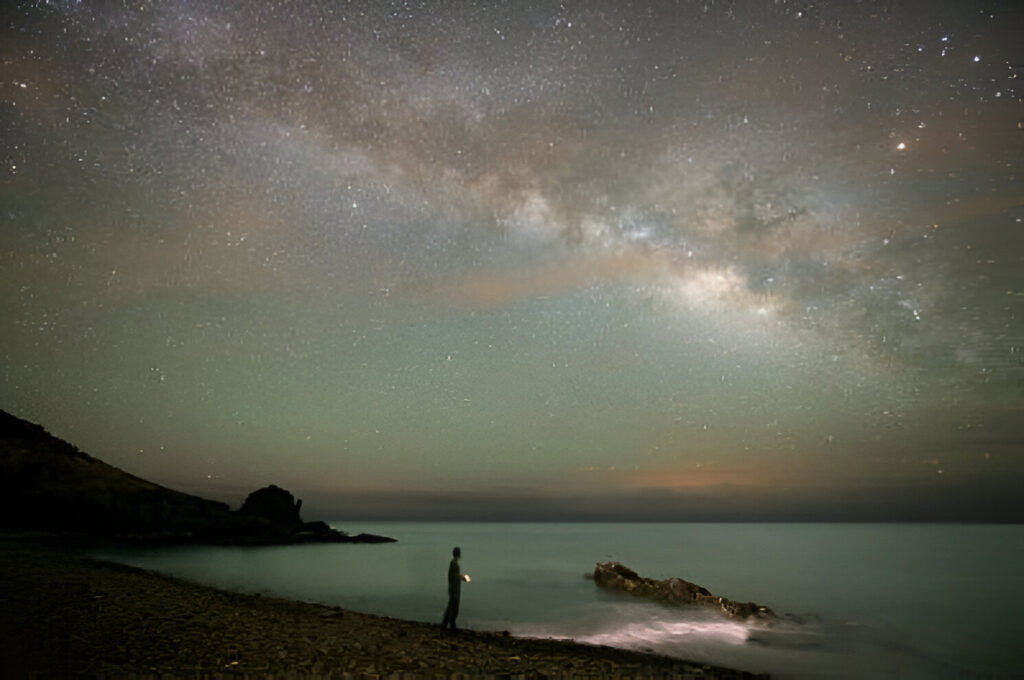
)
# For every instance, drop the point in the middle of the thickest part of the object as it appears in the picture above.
(49, 486)
(615, 576)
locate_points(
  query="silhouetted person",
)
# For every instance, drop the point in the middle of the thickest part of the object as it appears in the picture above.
(455, 579)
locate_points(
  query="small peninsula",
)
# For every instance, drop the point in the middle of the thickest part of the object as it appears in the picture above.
(49, 486)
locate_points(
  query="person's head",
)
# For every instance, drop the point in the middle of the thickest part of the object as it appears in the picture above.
(456, 552)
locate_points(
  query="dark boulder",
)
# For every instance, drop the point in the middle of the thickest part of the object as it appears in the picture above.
(615, 576)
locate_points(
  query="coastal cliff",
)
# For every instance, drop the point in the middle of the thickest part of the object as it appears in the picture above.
(48, 485)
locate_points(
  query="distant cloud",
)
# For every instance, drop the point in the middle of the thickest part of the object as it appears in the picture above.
(494, 289)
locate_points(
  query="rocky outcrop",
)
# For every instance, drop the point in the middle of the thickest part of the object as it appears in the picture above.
(48, 485)
(320, 532)
(274, 504)
(272, 514)
(615, 576)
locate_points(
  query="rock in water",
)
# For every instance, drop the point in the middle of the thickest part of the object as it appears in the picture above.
(615, 576)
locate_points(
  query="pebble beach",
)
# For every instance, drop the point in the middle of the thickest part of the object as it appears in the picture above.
(65, 615)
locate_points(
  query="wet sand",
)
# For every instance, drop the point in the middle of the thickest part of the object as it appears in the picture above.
(64, 615)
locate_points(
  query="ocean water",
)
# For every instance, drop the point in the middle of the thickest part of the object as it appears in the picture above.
(859, 600)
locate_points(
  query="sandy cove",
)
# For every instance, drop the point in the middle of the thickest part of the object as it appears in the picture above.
(64, 615)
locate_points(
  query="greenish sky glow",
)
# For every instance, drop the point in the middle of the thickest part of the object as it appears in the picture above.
(670, 260)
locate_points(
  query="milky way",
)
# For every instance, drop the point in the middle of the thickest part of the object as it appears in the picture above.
(657, 260)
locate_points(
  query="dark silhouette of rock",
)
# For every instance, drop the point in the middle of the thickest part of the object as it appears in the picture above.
(274, 504)
(48, 485)
(320, 532)
(615, 576)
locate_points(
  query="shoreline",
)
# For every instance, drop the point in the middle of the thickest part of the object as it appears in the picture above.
(68, 615)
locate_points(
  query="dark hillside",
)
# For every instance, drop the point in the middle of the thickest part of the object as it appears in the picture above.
(49, 485)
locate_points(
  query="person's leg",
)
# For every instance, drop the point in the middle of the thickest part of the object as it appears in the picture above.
(447, 615)
(451, 612)
(455, 610)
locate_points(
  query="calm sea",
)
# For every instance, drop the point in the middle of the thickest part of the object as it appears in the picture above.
(867, 600)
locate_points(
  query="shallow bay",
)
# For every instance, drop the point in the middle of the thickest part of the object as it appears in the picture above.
(885, 600)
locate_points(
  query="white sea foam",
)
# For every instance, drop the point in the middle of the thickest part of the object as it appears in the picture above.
(657, 633)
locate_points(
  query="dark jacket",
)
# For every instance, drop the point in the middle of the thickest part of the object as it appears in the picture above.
(454, 578)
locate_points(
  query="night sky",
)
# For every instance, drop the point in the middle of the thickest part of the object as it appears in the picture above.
(578, 260)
